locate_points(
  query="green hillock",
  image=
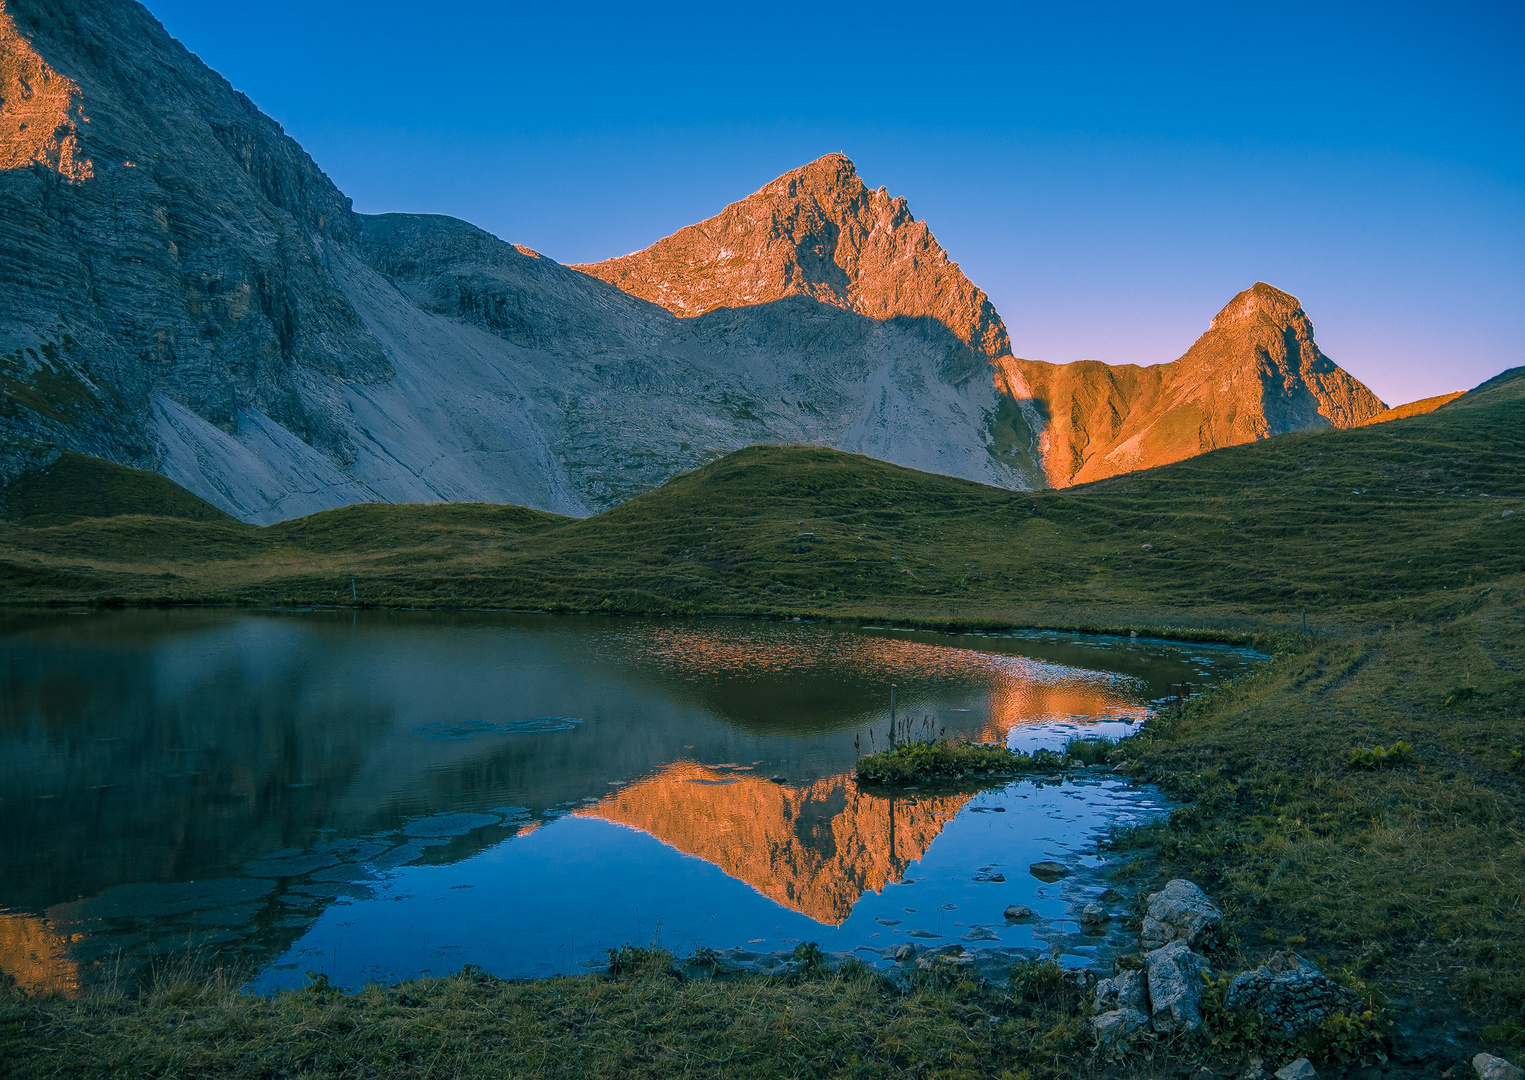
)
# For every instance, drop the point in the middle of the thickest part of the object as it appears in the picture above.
(79, 486)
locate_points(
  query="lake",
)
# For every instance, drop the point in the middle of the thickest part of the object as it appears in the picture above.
(380, 795)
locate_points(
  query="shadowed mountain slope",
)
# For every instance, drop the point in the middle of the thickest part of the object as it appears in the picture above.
(182, 289)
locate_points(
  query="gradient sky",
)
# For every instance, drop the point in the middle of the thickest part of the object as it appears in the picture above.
(1110, 174)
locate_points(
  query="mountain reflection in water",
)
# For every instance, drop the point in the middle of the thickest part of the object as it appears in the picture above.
(222, 779)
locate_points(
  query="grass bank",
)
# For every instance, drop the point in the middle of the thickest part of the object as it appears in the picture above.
(641, 1020)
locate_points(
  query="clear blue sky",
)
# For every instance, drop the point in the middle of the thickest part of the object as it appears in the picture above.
(1109, 174)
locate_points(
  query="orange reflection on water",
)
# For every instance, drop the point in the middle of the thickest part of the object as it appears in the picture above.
(36, 955)
(1015, 704)
(815, 848)
(1020, 690)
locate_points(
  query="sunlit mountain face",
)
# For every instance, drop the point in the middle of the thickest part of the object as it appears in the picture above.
(247, 783)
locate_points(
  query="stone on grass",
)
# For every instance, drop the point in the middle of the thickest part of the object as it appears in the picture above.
(1114, 1026)
(1291, 993)
(1179, 912)
(1301, 1069)
(1495, 1068)
(1125, 990)
(1175, 987)
(1019, 911)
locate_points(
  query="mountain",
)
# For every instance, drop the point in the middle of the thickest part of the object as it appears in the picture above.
(1255, 373)
(819, 232)
(183, 290)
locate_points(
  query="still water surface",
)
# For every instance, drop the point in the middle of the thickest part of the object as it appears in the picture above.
(392, 794)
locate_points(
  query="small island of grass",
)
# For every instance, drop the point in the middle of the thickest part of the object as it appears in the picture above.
(917, 762)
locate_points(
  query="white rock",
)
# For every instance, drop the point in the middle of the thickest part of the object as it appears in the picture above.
(1175, 987)
(1179, 912)
(1125, 990)
(1495, 1068)
(1117, 1024)
(1301, 1069)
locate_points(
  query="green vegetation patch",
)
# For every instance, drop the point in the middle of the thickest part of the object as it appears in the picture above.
(914, 762)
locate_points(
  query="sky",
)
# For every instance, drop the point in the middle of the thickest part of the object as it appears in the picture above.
(1111, 174)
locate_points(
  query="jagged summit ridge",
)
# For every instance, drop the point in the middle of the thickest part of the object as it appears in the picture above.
(820, 232)
(1262, 301)
(183, 289)
(1256, 372)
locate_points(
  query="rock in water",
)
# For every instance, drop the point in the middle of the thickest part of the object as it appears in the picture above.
(1291, 993)
(1125, 990)
(1019, 911)
(1495, 1068)
(1180, 912)
(1048, 871)
(1094, 915)
(1301, 1069)
(1175, 987)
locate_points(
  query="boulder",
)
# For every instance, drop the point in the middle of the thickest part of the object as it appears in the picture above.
(1301, 1069)
(1019, 911)
(1290, 992)
(1048, 870)
(1094, 915)
(1180, 912)
(903, 953)
(1125, 990)
(1114, 1026)
(1175, 987)
(1495, 1068)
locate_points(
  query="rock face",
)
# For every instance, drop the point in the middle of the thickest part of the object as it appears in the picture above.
(1179, 912)
(818, 232)
(1125, 990)
(1290, 992)
(1117, 1024)
(1256, 372)
(183, 289)
(1175, 987)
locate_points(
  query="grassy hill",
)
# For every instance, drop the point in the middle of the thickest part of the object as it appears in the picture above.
(1355, 526)
(1405, 542)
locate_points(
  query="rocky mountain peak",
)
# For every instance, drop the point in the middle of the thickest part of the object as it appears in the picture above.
(1262, 301)
(820, 232)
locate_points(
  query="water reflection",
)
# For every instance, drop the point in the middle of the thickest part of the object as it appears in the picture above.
(226, 780)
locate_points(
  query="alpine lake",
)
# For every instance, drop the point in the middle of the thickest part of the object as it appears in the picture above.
(375, 796)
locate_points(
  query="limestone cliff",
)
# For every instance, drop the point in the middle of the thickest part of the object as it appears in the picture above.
(182, 289)
(1255, 373)
(818, 232)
